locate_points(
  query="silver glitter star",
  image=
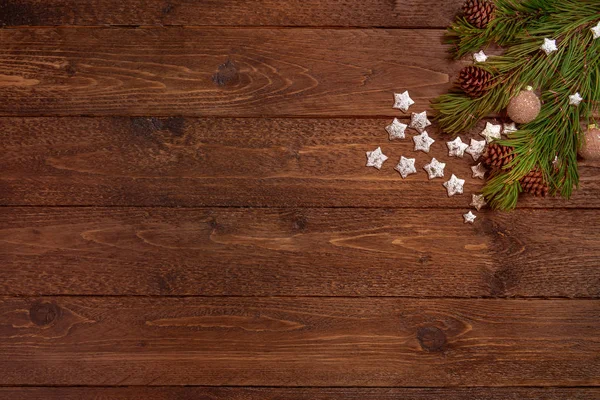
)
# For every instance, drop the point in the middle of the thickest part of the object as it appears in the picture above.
(478, 201)
(476, 149)
(480, 57)
(423, 142)
(402, 101)
(478, 171)
(491, 132)
(596, 31)
(456, 148)
(419, 121)
(406, 167)
(376, 158)
(575, 99)
(396, 129)
(469, 217)
(435, 169)
(549, 46)
(454, 185)
(509, 128)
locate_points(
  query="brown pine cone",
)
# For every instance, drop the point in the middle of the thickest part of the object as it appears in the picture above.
(479, 13)
(496, 156)
(474, 81)
(535, 183)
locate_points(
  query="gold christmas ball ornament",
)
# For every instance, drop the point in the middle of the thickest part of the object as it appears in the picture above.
(524, 107)
(590, 149)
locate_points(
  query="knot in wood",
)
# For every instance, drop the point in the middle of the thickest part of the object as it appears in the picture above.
(431, 338)
(44, 313)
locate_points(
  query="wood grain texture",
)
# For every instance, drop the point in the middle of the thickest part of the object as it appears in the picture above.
(189, 162)
(220, 393)
(343, 13)
(301, 252)
(218, 71)
(299, 342)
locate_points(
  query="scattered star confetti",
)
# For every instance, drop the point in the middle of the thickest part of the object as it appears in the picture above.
(456, 148)
(435, 169)
(454, 185)
(478, 201)
(376, 158)
(469, 217)
(402, 101)
(480, 57)
(596, 31)
(491, 132)
(419, 121)
(396, 129)
(478, 171)
(510, 128)
(406, 166)
(575, 99)
(476, 149)
(549, 46)
(423, 142)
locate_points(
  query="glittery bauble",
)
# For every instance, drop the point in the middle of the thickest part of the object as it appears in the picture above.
(524, 107)
(590, 149)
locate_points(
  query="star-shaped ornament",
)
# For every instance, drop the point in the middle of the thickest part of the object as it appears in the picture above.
(596, 31)
(402, 101)
(454, 185)
(376, 158)
(406, 166)
(509, 128)
(549, 46)
(419, 121)
(396, 129)
(491, 132)
(476, 149)
(575, 99)
(469, 217)
(480, 57)
(478, 171)
(435, 169)
(423, 142)
(478, 201)
(456, 148)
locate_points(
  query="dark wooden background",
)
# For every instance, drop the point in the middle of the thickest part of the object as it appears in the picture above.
(186, 215)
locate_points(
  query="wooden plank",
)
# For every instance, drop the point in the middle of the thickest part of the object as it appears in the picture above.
(309, 252)
(188, 162)
(299, 342)
(218, 71)
(343, 13)
(230, 393)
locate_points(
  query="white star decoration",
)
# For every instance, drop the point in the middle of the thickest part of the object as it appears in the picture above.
(469, 217)
(419, 121)
(376, 158)
(435, 169)
(423, 142)
(596, 31)
(478, 171)
(456, 148)
(406, 167)
(575, 99)
(454, 185)
(491, 132)
(402, 101)
(396, 129)
(476, 149)
(480, 57)
(549, 46)
(478, 201)
(509, 128)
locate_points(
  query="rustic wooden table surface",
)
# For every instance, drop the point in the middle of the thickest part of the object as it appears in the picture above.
(186, 214)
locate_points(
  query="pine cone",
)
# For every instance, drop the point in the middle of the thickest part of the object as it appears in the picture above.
(474, 81)
(496, 156)
(479, 13)
(534, 183)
